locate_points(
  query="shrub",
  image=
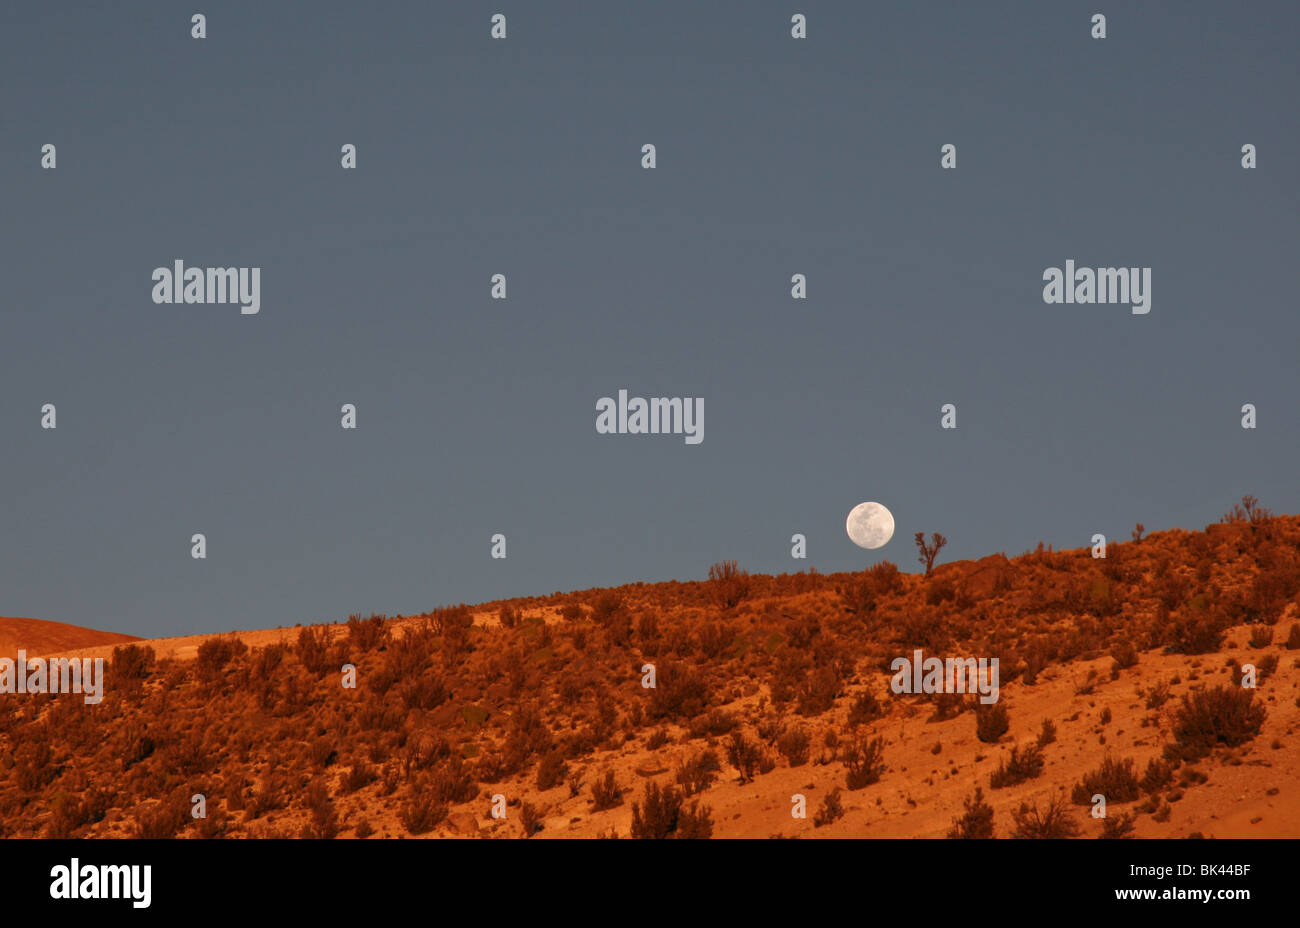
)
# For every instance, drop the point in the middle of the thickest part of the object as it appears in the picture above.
(1124, 653)
(324, 817)
(269, 797)
(1019, 766)
(1117, 781)
(794, 744)
(865, 708)
(359, 776)
(509, 617)
(729, 584)
(940, 591)
(991, 722)
(1266, 666)
(131, 662)
(857, 595)
(453, 781)
(1261, 636)
(422, 813)
(1120, 826)
(886, 578)
(367, 634)
(532, 819)
(606, 606)
(977, 821)
(313, 650)
(714, 639)
(946, 706)
(426, 692)
(1157, 695)
(663, 814)
(830, 810)
(551, 770)
(162, 819)
(453, 624)
(1293, 639)
(321, 752)
(1196, 633)
(527, 735)
(714, 722)
(647, 630)
(213, 656)
(71, 812)
(267, 661)
(864, 760)
(189, 755)
(818, 690)
(679, 692)
(1224, 715)
(606, 793)
(1054, 821)
(423, 753)
(744, 755)
(1248, 510)
(1034, 662)
(924, 628)
(697, 774)
(1048, 733)
(1156, 776)
(34, 766)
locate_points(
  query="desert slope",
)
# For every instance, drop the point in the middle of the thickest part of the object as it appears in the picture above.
(39, 637)
(1119, 676)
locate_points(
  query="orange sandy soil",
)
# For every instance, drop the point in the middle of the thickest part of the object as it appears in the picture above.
(450, 713)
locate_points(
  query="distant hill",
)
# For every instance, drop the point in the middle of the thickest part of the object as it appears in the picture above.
(39, 636)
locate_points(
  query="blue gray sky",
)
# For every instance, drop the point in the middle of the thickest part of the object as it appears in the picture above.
(522, 157)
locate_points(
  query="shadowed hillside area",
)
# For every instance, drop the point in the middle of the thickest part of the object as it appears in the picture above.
(1120, 677)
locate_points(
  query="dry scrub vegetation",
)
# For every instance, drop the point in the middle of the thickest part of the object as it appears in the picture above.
(766, 686)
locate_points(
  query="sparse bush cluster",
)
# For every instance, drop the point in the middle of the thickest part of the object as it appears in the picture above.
(730, 584)
(662, 813)
(864, 760)
(976, 821)
(1115, 780)
(698, 773)
(991, 722)
(1023, 763)
(1052, 820)
(1208, 718)
(605, 793)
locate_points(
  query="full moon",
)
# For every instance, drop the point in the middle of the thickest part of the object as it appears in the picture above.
(870, 525)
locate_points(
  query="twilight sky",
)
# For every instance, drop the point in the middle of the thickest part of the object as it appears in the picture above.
(522, 157)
